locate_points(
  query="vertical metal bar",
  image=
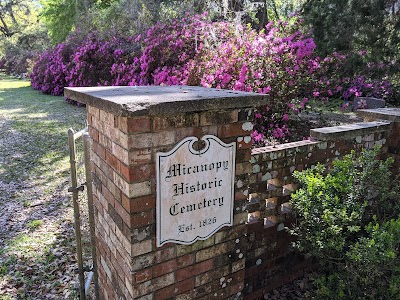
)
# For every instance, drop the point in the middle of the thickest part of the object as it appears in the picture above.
(86, 150)
(74, 185)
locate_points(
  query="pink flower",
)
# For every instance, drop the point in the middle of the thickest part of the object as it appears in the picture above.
(266, 90)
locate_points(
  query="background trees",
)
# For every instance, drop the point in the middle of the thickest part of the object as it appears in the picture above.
(371, 27)
(366, 31)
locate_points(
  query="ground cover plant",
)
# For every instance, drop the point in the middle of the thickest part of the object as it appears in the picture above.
(37, 244)
(348, 219)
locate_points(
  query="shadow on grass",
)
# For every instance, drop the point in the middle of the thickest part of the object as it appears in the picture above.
(45, 268)
(34, 176)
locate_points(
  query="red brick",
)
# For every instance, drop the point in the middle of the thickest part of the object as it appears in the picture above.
(143, 275)
(231, 130)
(109, 197)
(94, 134)
(177, 121)
(165, 254)
(194, 270)
(142, 219)
(140, 204)
(199, 132)
(137, 173)
(220, 117)
(99, 150)
(140, 157)
(185, 260)
(113, 161)
(164, 268)
(122, 213)
(134, 125)
(175, 289)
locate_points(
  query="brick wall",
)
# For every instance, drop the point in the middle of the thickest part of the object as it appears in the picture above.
(269, 262)
(239, 262)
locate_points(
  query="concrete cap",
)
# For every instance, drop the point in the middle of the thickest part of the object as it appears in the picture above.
(389, 113)
(348, 131)
(162, 100)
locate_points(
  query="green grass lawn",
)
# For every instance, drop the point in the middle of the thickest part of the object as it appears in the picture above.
(37, 244)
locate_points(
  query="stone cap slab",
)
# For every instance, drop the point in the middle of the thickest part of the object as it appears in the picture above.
(162, 100)
(389, 113)
(348, 131)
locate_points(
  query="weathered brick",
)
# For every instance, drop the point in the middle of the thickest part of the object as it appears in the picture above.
(94, 133)
(143, 275)
(143, 247)
(194, 270)
(142, 262)
(163, 281)
(207, 277)
(121, 153)
(93, 111)
(232, 130)
(177, 121)
(199, 132)
(120, 210)
(113, 161)
(165, 254)
(105, 141)
(134, 124)
(140, 157)
(165, 267)
(139, 204)
(148, 140)
(142, 219)
(132, 190)
(137, 172)
(218, 117)
(185, 249)
(106, 117)
(175, 289)
(211, 252)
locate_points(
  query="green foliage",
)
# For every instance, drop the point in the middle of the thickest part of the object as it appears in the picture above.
(34, 224)
(349, 26)
(348, 218)
(24, 37)
(59, 17)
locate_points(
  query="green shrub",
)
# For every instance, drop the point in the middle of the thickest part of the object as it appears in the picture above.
(348, 218)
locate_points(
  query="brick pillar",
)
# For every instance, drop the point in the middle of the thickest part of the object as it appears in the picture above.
(128, 126)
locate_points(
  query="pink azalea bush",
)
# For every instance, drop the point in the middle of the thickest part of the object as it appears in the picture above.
(279, 61)
(51, 69)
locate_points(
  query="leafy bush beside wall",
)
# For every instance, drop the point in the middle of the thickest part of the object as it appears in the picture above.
(348, 218)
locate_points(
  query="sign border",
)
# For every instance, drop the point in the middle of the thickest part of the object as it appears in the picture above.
(190, 141)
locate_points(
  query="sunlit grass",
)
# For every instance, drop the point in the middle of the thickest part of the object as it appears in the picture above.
(34, 157)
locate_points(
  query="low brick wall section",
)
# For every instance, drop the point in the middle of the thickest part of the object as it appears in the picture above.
(391, 115)
(269, 260)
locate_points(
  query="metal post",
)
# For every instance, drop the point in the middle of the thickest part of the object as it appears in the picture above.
(86, 150)
(74, 189)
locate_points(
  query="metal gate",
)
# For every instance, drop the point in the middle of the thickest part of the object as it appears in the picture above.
(75, 189)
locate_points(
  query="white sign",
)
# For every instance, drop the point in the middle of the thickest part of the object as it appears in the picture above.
(195, 190)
